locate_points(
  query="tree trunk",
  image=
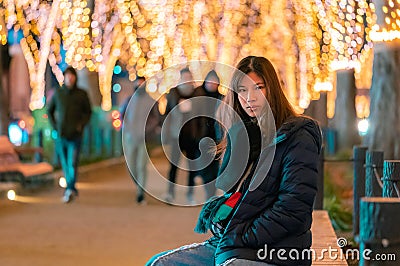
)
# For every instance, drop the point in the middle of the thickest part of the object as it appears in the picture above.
(345, 119)
(3, 98)
(317, 110)
(384, 119)
(19, 90)
(89, 81)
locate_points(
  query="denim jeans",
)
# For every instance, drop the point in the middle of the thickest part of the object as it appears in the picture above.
(68, 153)
(198, 254)
(138, 157)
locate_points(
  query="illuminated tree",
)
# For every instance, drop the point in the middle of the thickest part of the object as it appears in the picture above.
(3, 105)
(384, 116)
(40, 43)
(306, 40)
(348, 47)
(345, 119)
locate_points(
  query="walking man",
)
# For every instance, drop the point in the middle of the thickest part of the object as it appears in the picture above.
(69, 111)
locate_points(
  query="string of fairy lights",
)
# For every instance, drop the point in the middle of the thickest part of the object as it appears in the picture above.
(306, 40)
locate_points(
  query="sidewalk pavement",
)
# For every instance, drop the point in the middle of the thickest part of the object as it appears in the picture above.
(104, 226)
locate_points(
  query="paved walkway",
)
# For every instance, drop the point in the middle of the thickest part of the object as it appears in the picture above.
(104, 226)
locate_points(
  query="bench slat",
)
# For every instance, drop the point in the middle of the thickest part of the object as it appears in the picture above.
(323, 237)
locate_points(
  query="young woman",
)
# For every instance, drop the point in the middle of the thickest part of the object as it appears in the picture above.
(265, 215)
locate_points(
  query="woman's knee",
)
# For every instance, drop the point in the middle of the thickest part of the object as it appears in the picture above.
(197, 254)
(153, 259)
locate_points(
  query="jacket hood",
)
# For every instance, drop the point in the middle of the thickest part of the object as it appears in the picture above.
(293, 124)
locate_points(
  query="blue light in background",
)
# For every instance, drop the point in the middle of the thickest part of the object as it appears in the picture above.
(14, 37)
(117, 70)
(117, 87)
(62, 64)
(17, 134)
(47, 132)
(54, 134)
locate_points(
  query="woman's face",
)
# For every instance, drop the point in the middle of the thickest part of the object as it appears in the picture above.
(251, 92)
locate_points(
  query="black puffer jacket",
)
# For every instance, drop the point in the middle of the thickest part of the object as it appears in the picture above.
(69, 111)
(278, 213)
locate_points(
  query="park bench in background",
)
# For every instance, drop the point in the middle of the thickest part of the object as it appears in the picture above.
(12, 169)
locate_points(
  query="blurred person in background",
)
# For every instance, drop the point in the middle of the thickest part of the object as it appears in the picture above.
(69, 111)
(209, 128)
(141, 125)
(182, 136)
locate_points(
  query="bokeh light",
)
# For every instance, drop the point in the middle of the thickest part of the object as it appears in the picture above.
(62, 182)
(11, 195)
(116, 87)
(117, 69)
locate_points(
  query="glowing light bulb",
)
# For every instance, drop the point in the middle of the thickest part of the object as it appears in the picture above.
(363, 126)
(11, 195)
(62, 182)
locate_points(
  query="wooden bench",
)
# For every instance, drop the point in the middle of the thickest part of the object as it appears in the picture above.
(323, 238)
(12, 169)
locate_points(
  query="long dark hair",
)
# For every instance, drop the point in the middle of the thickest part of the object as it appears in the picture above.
(280, 107)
